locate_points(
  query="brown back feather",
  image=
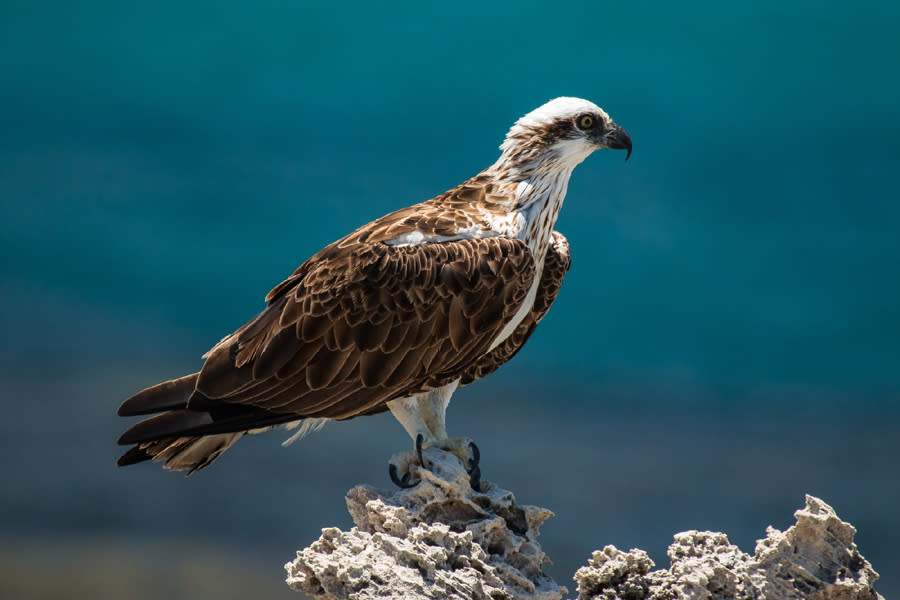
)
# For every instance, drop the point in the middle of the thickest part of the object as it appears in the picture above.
(363, 323)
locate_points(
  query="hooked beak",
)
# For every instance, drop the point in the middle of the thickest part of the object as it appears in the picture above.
(618, 138)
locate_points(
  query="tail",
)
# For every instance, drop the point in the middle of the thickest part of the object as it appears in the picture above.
(187, 438)
(188, 453)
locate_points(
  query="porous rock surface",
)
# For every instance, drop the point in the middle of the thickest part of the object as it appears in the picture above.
(814, 559)
(441, 539)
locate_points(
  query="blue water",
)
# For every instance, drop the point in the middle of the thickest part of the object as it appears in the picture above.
(163, 166)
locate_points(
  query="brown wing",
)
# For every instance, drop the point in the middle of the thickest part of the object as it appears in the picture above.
(363, 323)
(443, 215)
(556, 265)
(357, 324)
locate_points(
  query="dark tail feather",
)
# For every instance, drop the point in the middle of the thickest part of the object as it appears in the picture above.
(189, 422)
(189, 453)
(187, 438)
(172, 423)
(134, 456)
(167, 395)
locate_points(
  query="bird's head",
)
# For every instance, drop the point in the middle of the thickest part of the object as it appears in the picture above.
(562, 132)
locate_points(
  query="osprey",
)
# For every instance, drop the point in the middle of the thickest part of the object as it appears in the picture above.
(394, 316)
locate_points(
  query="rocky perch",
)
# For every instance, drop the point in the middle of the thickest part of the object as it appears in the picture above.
(441, 539)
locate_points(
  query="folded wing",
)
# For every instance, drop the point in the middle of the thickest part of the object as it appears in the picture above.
(556, 265)
(357, 325)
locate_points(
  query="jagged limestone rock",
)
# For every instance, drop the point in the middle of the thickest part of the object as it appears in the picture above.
(814, 559)
(439, 539)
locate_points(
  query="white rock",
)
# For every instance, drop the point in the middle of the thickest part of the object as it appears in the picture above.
(815, 558)
(439, 539)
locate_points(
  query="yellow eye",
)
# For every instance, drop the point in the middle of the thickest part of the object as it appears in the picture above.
(585, 122)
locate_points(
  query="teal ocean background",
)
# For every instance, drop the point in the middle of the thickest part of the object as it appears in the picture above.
(727, 340)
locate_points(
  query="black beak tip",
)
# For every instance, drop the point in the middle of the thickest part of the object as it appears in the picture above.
(619, 139)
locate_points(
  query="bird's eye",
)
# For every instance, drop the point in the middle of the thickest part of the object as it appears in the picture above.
(585, 122)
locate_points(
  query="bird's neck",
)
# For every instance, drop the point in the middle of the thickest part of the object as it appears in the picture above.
(537, 194)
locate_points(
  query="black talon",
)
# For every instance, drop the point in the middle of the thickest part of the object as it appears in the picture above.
(420, 439)
(398, 481)
(474, 470)
(403, 482)
(475, 479)
(476, 457)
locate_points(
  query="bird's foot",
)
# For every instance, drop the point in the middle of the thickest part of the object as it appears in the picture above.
(468, 454)
(402, 462)
(400, 466)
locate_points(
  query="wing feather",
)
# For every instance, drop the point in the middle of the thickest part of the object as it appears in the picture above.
(556, 265)
(368, 322)
(358, 324)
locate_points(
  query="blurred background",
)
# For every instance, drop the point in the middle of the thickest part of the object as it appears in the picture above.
(726, 341)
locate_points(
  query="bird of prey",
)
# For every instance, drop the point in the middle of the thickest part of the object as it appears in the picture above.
(394, 316)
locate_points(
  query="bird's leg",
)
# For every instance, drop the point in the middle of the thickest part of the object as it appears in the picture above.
(407, 411)
(423, 417)
(433, 407)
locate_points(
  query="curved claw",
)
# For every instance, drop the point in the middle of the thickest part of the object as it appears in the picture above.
(476, 457)
(474, 470)
(401, 482)
(475, 479)
(420, 439)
